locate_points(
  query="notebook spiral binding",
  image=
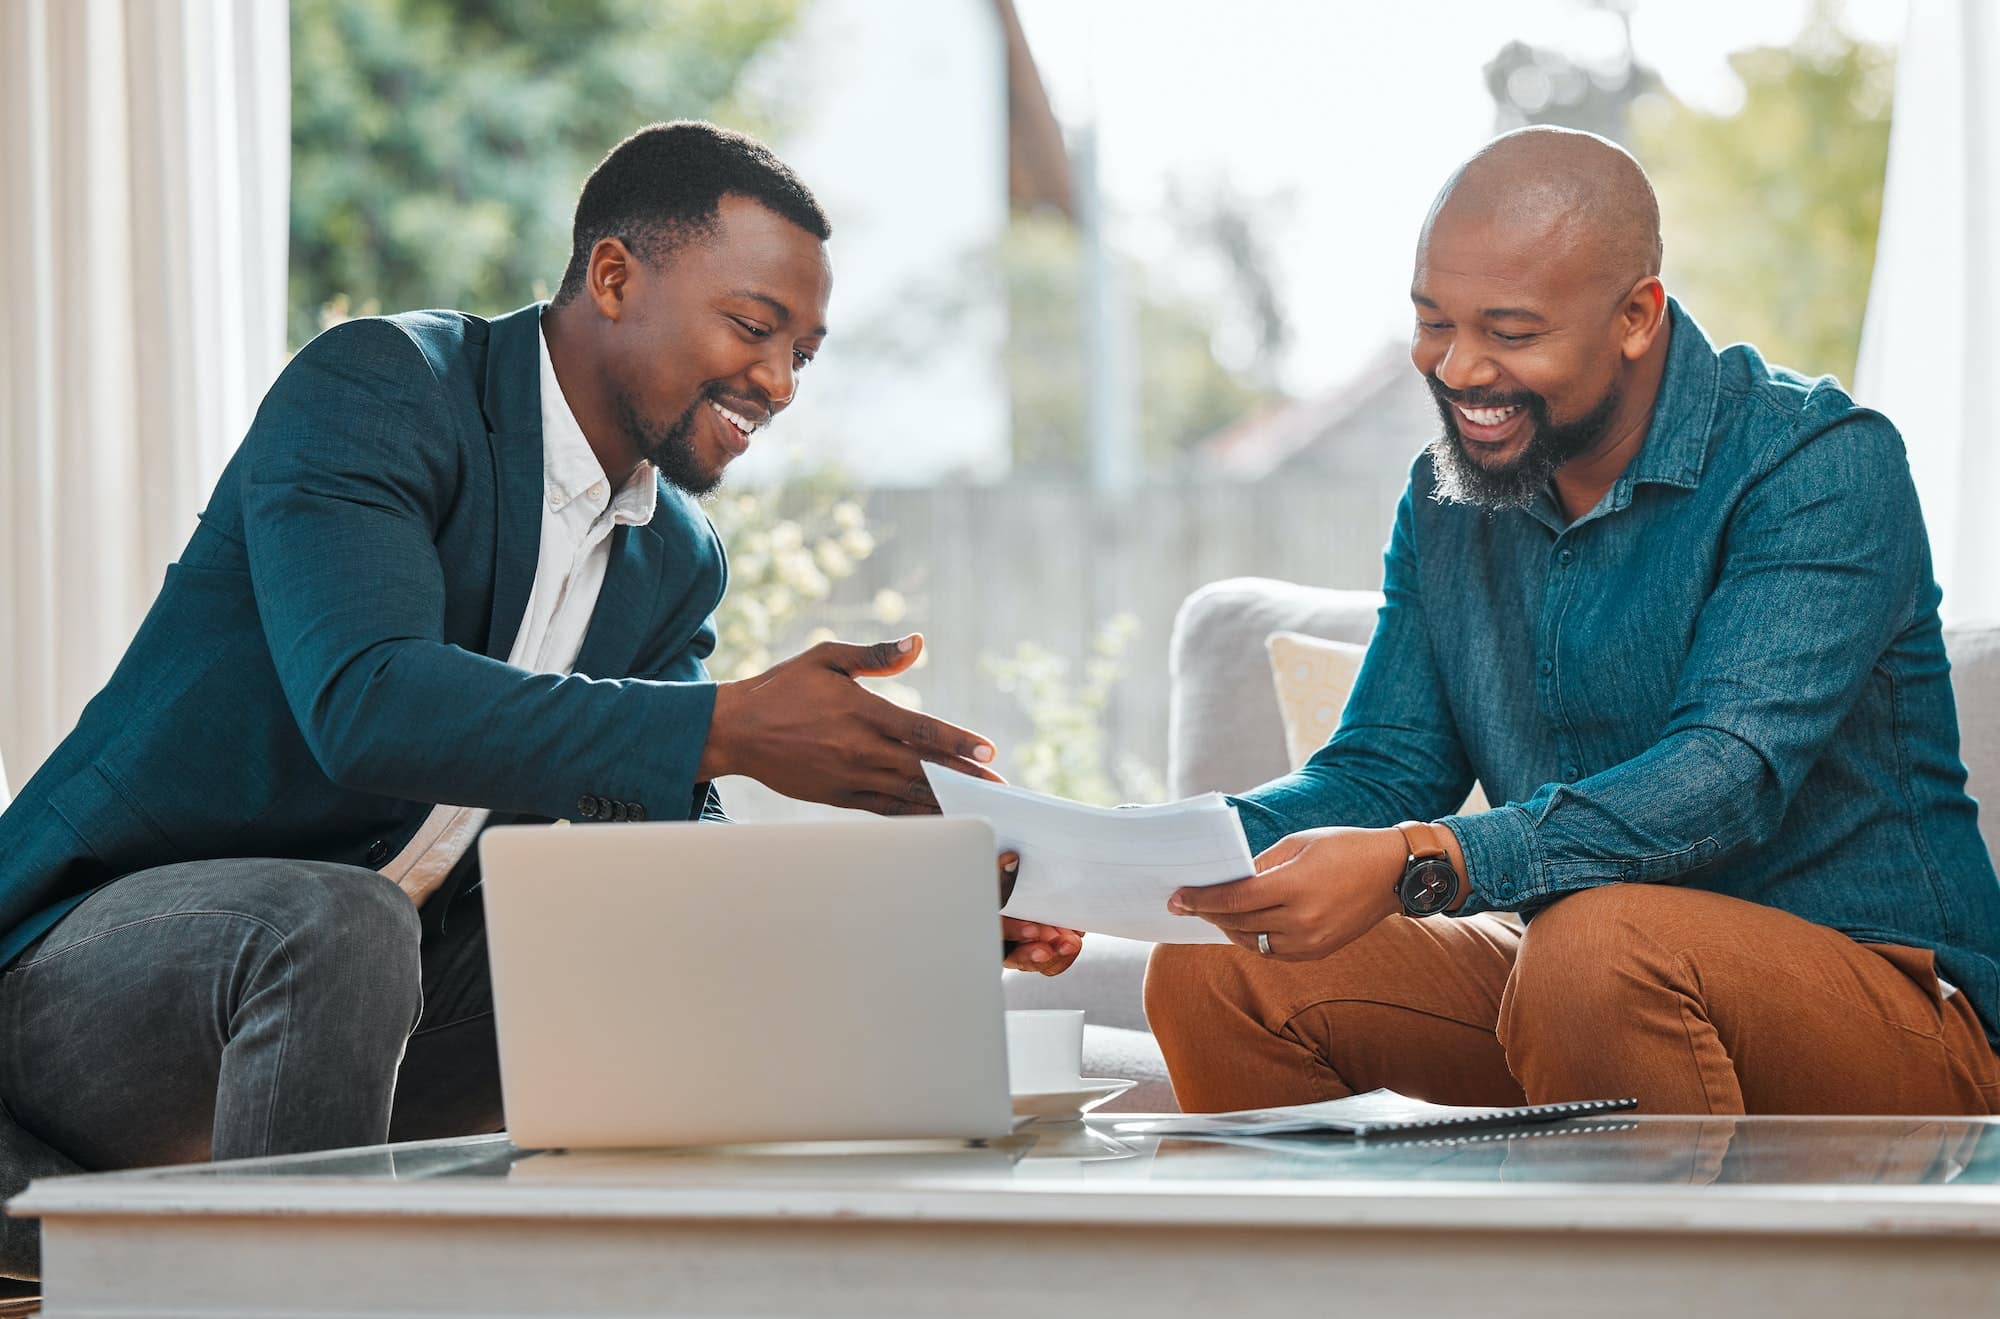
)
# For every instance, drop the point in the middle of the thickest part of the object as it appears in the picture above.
(1498, 1118)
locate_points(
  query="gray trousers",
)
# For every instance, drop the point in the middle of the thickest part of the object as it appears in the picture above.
(236, 1008)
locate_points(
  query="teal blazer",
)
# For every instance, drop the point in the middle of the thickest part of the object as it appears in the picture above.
(327, 659)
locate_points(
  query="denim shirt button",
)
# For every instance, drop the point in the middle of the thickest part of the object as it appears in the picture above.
(1571, 773)
(1546, 667)
(1566, 558)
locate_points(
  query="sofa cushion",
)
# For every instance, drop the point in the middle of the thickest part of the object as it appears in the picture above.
(1134, 1055)
(1223, 729)
(1975, 684)
(1312, 677)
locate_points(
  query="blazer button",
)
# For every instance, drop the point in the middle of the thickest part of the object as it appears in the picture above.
(637, 814)
(618, 809)
(378, 852)
(586, 806)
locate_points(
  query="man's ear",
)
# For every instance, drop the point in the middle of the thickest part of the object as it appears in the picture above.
(1640, 318)
(608, 276)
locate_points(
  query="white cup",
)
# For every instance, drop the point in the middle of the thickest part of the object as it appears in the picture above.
(1045, 1050)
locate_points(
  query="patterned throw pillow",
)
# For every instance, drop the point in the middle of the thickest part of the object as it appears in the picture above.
(1313, 676)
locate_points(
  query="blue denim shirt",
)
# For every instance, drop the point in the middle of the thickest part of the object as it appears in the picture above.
(1728, 674)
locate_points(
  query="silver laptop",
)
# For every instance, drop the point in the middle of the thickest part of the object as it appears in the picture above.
(694, 984)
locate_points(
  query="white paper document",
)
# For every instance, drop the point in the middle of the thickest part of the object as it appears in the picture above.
(1105, 870)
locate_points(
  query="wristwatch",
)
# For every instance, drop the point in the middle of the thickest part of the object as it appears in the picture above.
(1429, 883)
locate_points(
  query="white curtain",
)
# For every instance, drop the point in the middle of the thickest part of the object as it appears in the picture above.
(144, 178)
(1927, 344)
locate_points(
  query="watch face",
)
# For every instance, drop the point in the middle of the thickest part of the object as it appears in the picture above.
(1428, 887)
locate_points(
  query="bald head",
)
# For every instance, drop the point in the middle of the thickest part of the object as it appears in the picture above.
(1539, 313)
(1563, 192)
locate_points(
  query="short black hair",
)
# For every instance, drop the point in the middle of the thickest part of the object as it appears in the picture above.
(664, 184)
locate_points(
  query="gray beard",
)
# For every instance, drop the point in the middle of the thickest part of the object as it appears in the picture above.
(1460, 480)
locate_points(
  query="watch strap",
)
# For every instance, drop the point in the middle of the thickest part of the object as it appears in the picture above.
(1423, 839)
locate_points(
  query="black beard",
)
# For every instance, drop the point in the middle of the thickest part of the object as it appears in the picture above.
(1462, 480)
(670, 449)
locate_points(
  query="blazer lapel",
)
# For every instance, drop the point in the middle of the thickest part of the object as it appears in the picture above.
(625, 607)
(513, 406)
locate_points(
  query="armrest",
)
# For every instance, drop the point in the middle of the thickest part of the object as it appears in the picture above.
(1223, 732)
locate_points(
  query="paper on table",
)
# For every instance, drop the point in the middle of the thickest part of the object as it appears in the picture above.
(1105, 870)
(1376, 1113)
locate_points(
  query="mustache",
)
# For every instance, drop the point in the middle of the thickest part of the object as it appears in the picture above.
(753, 400)
(1482, 398)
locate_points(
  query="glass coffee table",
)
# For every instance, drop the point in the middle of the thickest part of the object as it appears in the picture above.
(1632, 1216)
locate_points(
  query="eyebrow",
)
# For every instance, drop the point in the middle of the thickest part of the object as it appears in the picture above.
(778, 309)
(1490, 313)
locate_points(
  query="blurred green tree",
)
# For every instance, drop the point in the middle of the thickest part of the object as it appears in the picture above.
(1770, 211)
(438, 145)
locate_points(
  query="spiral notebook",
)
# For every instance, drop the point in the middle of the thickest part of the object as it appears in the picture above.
(1376, 1115)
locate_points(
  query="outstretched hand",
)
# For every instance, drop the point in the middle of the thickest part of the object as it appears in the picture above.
(805, 727)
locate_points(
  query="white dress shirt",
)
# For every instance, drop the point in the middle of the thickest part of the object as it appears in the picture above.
(578, 515)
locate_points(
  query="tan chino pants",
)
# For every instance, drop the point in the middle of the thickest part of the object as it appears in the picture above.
(1688, 1000)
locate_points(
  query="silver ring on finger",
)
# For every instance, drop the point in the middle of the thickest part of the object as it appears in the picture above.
(1264, 944)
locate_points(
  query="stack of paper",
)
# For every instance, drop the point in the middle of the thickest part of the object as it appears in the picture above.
(1106, 870)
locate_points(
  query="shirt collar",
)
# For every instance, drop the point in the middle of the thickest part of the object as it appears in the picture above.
(570, 469)
(1676, 444)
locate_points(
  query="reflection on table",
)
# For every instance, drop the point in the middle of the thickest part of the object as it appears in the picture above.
(1604, 1152)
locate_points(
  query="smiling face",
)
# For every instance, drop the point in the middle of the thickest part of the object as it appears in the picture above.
(1538, 309)
(1523, 349)
(702, 348)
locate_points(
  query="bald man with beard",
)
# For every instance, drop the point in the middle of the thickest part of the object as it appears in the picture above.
(1673, 607)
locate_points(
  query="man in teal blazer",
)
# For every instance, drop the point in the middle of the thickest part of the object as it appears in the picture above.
(203, 957)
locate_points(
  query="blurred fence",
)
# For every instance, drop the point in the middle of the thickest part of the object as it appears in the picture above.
(985, 568)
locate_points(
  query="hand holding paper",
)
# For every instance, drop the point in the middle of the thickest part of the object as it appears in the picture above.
(1105, 870)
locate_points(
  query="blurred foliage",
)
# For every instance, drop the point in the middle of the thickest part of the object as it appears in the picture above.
(1067, 752)
(1185, 393)
(1217, 219)
(1770, 212)
(438, 145)
(789, 546)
